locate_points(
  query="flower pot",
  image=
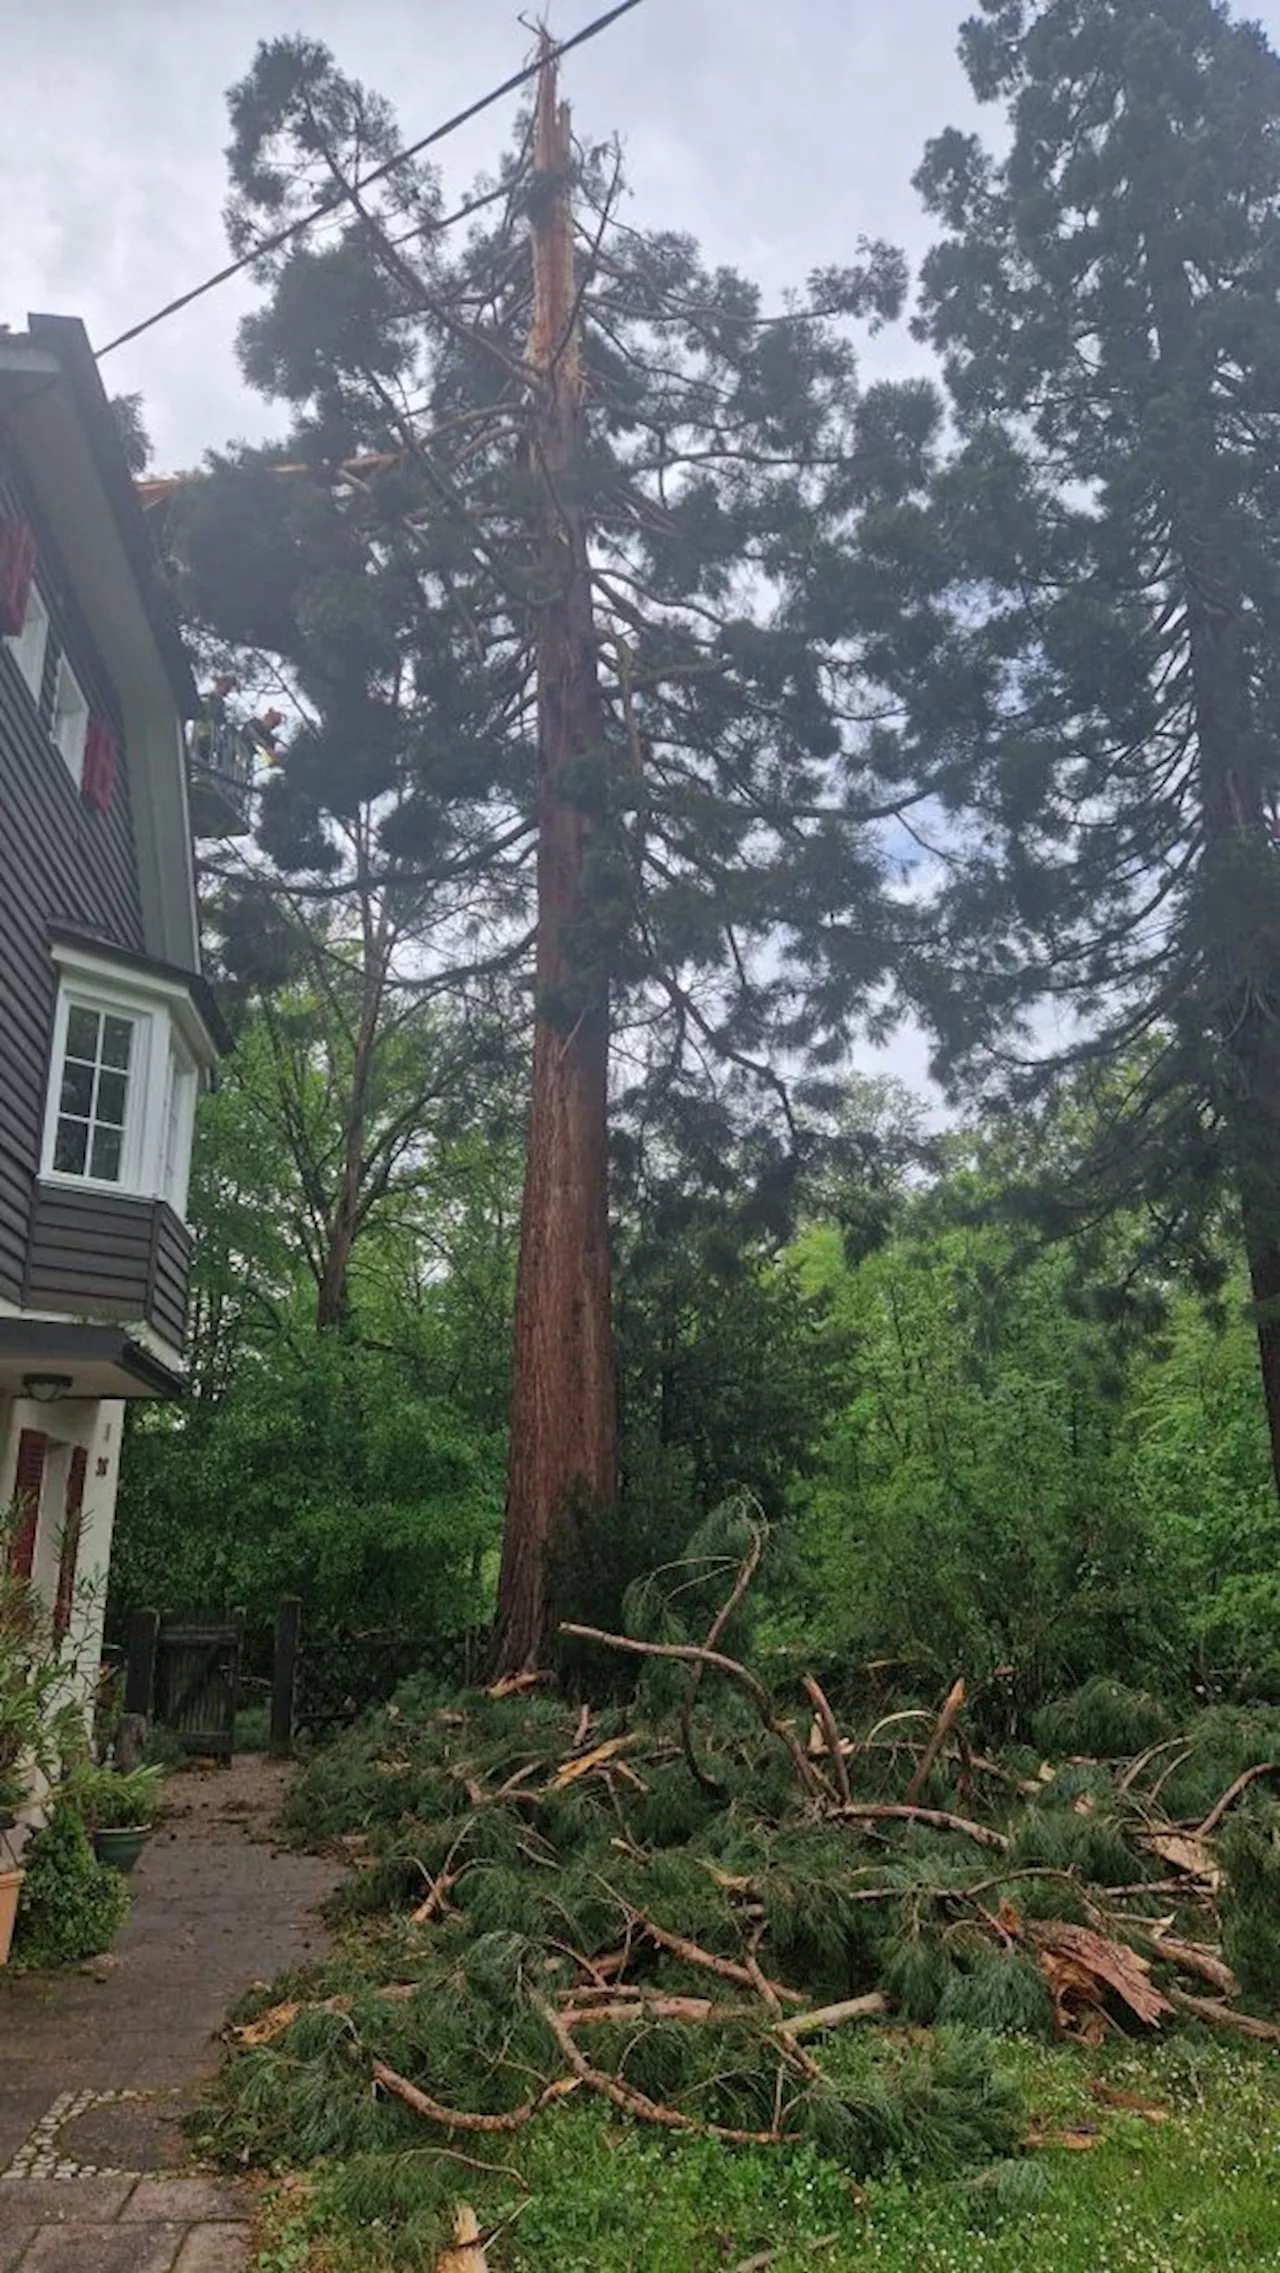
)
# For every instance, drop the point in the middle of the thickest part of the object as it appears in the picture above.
(121, 1846)
(10, 1889)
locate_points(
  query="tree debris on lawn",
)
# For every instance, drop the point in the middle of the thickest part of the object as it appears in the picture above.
(726, 1910)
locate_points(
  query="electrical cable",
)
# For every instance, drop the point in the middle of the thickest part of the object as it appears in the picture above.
(330, 204)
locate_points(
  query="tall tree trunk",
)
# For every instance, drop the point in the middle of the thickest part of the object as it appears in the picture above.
(1238, 837)
(332, 1297)
(563, 1403)
(333, 1300)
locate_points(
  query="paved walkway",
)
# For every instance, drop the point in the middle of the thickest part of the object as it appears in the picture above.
(99, 2066)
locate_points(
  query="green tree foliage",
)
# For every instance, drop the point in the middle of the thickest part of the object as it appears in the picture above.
(967, 1515)
(734, 907)
(1022, 1487)
(1081, 625)
(361, 1469)
(341, 1474)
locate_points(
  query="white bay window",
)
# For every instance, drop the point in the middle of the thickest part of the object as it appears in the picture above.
(125, 1071)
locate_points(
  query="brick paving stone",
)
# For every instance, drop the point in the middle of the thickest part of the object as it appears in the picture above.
(103, 2249)
(216, 1908)
(21, 2105)
(215, 2249)
(189, 2201)
(62, 2201)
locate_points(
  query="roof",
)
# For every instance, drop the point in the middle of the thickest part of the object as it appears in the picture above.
(65, 338)
(96, 1361)
(192, 983)
(55, 410)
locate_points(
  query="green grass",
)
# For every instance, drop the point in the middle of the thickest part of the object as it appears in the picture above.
(1198, 2193)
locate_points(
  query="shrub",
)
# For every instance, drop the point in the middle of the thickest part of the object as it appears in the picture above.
(1104, 1720)
(1251, 1904)
(70, 1907)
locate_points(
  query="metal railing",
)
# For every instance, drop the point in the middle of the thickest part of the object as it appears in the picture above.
(220, 748)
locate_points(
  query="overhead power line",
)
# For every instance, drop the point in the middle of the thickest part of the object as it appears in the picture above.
(330, 204)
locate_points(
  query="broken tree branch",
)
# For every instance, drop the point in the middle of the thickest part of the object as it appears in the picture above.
(897, 1811)
(1233, 1793)
(955, 1699)
(835, 1748)
(689, 1653)
(746, 1572)
(726, 1967)
(868, 2007)
(1223, 2016)
(460, 2119)
(637, 2103)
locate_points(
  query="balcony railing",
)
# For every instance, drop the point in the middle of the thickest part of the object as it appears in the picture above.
(220, 768)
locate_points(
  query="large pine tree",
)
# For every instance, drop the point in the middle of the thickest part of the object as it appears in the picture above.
(692, 809)
(1087, 640)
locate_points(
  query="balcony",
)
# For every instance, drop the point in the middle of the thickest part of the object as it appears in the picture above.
(220, 766)
(102, 1255)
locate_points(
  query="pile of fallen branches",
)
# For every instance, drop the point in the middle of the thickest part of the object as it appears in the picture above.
(733, 1917)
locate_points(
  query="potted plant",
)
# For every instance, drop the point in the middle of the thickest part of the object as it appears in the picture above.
(118, 1810)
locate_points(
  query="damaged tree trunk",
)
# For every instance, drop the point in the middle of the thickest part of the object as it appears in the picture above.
(563, 1404)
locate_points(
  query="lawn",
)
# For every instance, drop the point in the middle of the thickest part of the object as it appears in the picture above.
(1186, 2181)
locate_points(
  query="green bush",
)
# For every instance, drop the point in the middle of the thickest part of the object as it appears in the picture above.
(1251, 1903)
(333, 1474)
(71, 1906)
(1104, 1720)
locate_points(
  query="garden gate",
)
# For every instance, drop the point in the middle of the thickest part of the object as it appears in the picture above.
(184, 1675)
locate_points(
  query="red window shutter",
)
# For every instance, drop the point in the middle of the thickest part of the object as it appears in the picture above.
(27, 1483)
(101, 762)
(17, 567)
(71, 1530)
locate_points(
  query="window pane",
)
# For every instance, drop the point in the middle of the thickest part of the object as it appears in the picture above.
(82, 1032)
(94, 1097)
(106, 1155)
(117, 1041)
(77, 1089)
(70, 1147)
(112, 1089)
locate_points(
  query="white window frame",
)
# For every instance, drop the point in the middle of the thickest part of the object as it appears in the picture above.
(172, 1053)
(70, 727)
(132, 1180)
(178, 1127)
(28, 646)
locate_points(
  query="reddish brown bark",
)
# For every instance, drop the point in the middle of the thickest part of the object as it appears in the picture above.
(563, 1406)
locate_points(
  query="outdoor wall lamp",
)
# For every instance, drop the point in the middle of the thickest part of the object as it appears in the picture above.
(46, 1388)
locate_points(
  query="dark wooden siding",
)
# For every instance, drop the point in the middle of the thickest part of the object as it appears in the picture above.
(60, 862)
(97, 1256)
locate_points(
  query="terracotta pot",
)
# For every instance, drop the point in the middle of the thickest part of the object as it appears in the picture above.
(10, 1889)
(121, 1846)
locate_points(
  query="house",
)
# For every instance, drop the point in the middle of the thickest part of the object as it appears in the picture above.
(107, 1027)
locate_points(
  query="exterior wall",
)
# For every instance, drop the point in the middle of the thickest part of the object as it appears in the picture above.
(101, 1257)
(97, 1425)
(62, 862)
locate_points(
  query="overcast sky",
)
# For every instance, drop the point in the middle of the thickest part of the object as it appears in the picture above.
(775, 131)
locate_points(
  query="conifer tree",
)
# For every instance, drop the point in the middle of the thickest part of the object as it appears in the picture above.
(728, 917)
(1087, 630)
